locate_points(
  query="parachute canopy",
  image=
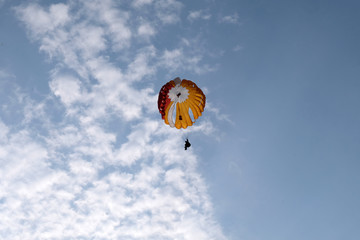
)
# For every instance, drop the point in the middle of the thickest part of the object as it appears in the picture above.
(183, 95)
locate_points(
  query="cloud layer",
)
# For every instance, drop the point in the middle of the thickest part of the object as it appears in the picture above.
(90, 161)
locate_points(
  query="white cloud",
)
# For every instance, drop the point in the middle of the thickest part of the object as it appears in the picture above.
(3, 131)
(234, 19)
(39, 20)
(33, 110)
(5, 75)
(177, 60)
(142, 66)
(89, 39)
(67, 88)
(173, 58)
(168, 11)
(141, 3)
(139, 143)
(146, 30)
(218, 114)
(106, 169)
(200, 14)
(237, 48)
(161, 12)
(114, 20)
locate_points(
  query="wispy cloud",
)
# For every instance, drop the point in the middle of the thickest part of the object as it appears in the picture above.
(238, 48)
(141, 3)
(105, 168)
(199, 14)
(146, 30)
(40, 21)
(234, 19)
(5, 75)
(168, 11)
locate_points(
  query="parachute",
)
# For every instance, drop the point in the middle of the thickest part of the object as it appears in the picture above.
(183, 95)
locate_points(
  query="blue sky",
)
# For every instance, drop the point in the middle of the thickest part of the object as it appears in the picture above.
(84, 153)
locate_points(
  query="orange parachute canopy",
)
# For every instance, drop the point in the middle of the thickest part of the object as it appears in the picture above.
(183, 95)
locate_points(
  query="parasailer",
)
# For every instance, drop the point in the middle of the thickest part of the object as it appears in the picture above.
(183, 97)
(187, 144)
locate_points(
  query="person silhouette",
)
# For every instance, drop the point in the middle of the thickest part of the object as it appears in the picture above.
(187, 144)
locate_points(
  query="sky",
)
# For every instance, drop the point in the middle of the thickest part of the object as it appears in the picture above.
(84, 153)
